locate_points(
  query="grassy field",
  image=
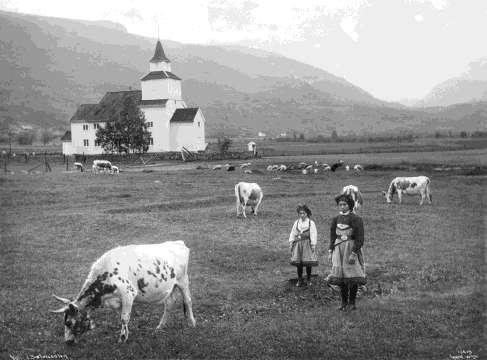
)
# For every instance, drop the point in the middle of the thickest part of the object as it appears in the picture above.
(426, 265)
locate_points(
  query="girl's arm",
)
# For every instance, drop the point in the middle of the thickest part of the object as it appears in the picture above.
(358, 234)
(333, 234)
(294, 232)
(313, 233)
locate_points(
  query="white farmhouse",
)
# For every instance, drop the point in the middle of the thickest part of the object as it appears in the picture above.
(171, 123)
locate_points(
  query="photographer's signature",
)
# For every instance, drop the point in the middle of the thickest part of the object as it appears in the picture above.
(39, 357)
(464, 355)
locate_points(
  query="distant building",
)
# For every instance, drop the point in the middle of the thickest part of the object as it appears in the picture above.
(66, 140)
(171, 124)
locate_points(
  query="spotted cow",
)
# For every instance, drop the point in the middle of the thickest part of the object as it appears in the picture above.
(409, 186)
(128, 274)
(248, 194)
(356, 195)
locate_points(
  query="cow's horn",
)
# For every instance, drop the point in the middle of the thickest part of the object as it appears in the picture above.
(64, 300)
(63, 309)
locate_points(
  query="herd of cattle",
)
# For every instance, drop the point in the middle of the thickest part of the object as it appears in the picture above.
(151, 273)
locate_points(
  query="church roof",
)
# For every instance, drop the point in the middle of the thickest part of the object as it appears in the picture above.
(111, 104)
(66, 136)
(154, 102)
(156, 75)
(159, 54)
(184, 115)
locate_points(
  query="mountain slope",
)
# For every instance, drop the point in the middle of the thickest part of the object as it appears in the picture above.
(469, 87)
(50, 66)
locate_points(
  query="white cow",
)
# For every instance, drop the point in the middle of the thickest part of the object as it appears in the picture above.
(358, 168)
(78, 166)
(356, 195)
(115, 169)
(101, 165)
(140, 273)
(410, 186)
(248, 194)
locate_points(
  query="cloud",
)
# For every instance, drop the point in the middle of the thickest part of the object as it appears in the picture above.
(348, 25)
(437, 4)
(419, 18)
(134, 15)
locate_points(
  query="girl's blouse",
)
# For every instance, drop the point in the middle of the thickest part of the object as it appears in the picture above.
(355, 222)
(301, 226)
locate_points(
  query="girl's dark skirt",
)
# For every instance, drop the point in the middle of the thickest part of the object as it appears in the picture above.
(302, 254)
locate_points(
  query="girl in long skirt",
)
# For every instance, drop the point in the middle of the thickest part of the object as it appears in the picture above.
(302, 240)
(345, 252)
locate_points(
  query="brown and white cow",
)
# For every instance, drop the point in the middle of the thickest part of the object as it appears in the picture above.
(140, 273)
(356, 195)
(248, 194)
(410, 186)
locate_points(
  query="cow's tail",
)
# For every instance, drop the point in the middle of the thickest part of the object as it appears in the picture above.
(359, 198)
(238, 195)
(392, 190)
(428, 190)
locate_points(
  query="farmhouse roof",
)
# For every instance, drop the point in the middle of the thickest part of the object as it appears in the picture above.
(159, 54)
(156, 75)
(184, 115)
(111, 104)
(66, 136)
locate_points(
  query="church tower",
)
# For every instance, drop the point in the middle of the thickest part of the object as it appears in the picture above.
(160, 83)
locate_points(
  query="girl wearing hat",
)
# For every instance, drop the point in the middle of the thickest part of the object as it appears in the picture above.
(345, 251)
(302, 241)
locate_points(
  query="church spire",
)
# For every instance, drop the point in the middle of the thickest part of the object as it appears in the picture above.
(159, 55)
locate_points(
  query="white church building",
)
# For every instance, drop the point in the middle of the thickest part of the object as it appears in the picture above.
(171, 124)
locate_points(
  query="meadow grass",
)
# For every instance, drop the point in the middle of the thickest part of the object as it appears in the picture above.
(425, 297)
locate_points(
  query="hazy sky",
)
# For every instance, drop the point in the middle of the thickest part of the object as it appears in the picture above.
(394, 49)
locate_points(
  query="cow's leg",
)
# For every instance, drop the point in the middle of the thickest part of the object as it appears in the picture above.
(163, 321)
(399, 196)
(244, 206)
(422, 198)
(188, 305)
(257, 206)
(127, 301)
(238, 205)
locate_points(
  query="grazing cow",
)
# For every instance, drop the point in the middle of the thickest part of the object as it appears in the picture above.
(327, 168)
(101, 165)
(115, 169)
(248, 194)
(248, 171)
(347, 167)
(336, 165)
(217, 167)
(245, 165)
(356, 195)
(282, 167)
(79, 166)
(409, 186)
(140, 273)
(230, 168)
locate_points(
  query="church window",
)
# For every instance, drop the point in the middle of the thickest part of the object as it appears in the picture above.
(97, 142)
(86, 142)
(85, 126)
(96, 126)
(199, 123)
(151, 141)
(150, 124)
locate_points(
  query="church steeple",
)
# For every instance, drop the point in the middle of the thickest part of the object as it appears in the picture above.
(159, 55)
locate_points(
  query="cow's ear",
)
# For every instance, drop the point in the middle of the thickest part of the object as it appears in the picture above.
(72, 308)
